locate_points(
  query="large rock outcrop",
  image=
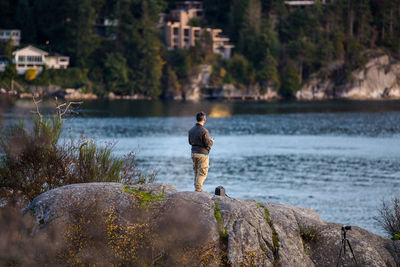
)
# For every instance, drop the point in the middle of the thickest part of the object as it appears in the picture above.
(200, 87)
(378, 79)
(218, 230)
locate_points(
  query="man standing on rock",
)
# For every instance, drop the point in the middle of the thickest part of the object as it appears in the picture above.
(199, 139)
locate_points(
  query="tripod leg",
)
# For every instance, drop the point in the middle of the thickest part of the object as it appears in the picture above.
(344, 247)
(340, 253)
(352, 253)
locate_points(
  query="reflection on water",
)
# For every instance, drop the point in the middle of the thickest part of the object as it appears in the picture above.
(158, 108)
(340, 158)
(220, 112)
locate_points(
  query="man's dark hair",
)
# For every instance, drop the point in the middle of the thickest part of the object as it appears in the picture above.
(200, 116)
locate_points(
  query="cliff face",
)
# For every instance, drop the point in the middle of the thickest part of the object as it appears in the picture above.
(379, 79)
(199, 229)
(193, 90)
(199, 88)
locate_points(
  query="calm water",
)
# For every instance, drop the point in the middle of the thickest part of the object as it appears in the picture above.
(340, 157)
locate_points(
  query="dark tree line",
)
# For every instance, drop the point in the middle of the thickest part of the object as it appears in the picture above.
(284, 43)
(275, 46)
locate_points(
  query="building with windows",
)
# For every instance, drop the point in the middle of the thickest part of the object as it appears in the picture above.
(3, 63)
(106, 27)
(306, 3)
(182, 29)
(13, 35)
(56, 61)
(31, 57)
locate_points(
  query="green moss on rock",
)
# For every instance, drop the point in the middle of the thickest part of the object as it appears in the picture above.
(144, 198)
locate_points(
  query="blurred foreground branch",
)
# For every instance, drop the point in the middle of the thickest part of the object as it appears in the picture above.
(389, 218)
(37, 159)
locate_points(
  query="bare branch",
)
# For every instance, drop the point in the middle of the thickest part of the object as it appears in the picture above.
(37, 108)
(390, 216)
(58, 108)
(61, 111)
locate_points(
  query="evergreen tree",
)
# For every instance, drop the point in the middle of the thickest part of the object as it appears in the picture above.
(363, 21)
(85, 39)
(116, 73)
(148, 69)
(268, 75)
(239, 68)
(290, 82)
(10, 73)
(302, 52)
(8, 49)
(236, 18)
(170, 82)
(25, 21)
(249, 42)
(216, 12)
(7, 9)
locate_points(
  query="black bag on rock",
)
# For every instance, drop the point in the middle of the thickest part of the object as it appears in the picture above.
(220, 191)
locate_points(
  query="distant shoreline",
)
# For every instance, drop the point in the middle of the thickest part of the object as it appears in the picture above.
(207, 98)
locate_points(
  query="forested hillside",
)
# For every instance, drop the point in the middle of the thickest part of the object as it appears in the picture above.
(275, 46)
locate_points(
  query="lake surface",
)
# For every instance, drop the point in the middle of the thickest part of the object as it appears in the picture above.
(339, 157)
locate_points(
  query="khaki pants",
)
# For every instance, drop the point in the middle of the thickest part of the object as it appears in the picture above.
(201, 164)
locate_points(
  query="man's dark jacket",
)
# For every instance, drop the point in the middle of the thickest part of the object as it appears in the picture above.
(200, 139)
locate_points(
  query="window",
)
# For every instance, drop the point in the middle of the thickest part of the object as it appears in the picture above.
(34, 59)
(7, 33)
(63, 60)
(186, 32)
(21, 65)
(176, 31)
(30, 65)
(21, 58)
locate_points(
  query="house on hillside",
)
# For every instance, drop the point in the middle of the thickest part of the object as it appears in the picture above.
(3, 63)
(13, 35)
(181, 31)
(56, 61)
(106, 27)
(31, 57)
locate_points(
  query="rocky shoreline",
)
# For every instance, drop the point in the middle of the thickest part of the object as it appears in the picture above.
(378, 79)
(222, 231)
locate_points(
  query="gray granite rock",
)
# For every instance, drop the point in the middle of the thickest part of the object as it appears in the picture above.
(262, 234)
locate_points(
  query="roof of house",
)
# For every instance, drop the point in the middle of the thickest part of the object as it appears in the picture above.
(300, 3)
(55, 54)
(10, 30)
(31, 47)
